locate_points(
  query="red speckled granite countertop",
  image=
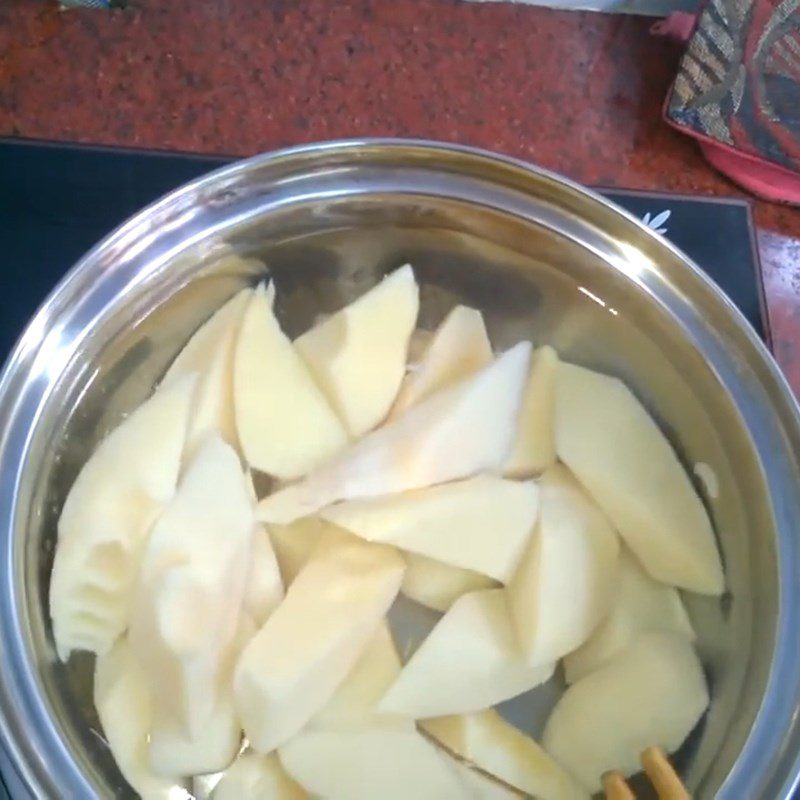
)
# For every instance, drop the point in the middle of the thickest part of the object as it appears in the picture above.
(579, 93)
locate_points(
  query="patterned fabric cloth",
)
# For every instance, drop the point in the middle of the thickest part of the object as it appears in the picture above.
(738, 91)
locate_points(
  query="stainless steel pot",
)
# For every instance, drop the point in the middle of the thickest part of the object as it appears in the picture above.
(543, 258)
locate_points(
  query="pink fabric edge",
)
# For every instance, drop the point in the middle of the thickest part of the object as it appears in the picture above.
(755, 174)
(762, 178)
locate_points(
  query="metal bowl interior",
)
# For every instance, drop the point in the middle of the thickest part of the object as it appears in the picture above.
(543, 260)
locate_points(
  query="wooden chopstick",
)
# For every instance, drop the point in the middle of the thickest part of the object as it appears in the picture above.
(615, 787)
(662, 775)
(656, 766)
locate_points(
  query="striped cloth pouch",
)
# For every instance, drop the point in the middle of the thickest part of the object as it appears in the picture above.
(738, 91)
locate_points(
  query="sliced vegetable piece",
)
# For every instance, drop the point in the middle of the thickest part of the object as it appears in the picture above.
(495, 746)
(213, 410)
(212, 749)
(566, 580)
(652, 693)
(605, 436)
(106, 518)
(459, 348)
(358, 354)
(482, 523)
(125, 706)
(285, 425)
(641, 605)
(186, 611)
(309, 644)
(535, 446)
(363, 764)
(469, 661)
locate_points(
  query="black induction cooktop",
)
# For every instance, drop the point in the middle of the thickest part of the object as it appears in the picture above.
(56, 201)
